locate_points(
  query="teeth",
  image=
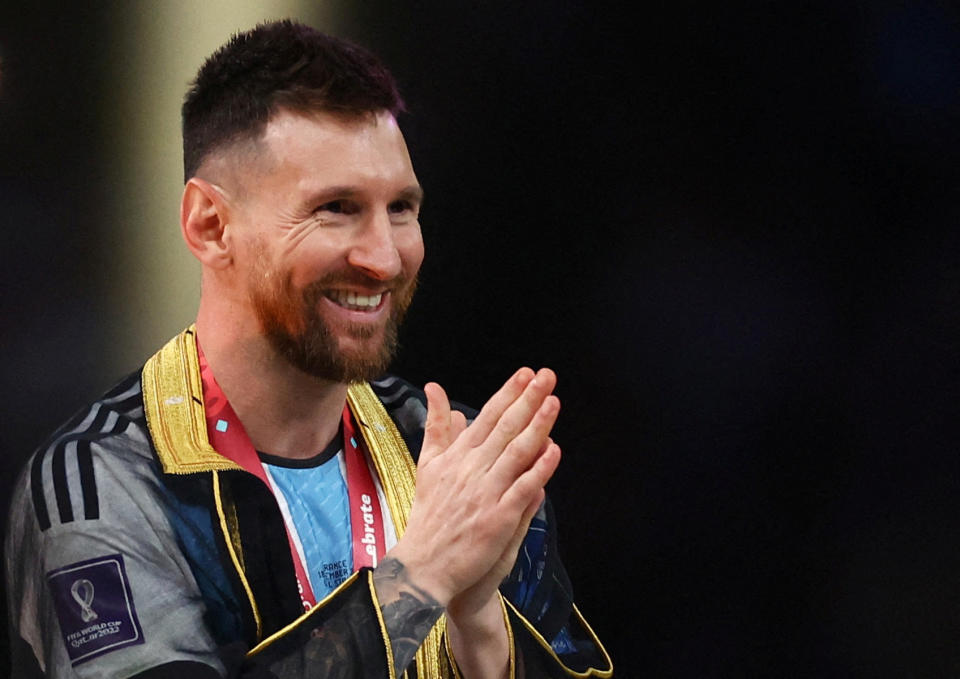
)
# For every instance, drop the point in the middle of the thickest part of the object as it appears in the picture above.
(352, 300)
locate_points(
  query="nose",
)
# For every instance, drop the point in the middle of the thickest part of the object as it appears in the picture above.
(375, 251)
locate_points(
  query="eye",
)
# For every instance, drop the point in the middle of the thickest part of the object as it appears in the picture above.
(341, 206)
(400, 206)
(335, 206)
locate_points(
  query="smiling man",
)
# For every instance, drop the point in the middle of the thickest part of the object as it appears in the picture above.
(247, 504)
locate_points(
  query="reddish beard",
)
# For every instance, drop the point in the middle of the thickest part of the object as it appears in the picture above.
(292, 323)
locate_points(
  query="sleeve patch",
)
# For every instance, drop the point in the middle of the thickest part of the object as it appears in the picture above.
(95, 607)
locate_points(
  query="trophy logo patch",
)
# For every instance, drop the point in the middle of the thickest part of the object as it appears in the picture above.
(95, 607)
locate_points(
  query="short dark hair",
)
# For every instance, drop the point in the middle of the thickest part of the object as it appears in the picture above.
(279, 65)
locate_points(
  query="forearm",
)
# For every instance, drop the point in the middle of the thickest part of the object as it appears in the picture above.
(481, 644)
(409, 612)
(478, 639)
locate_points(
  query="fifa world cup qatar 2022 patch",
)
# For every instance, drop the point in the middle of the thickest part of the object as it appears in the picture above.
(95, 607)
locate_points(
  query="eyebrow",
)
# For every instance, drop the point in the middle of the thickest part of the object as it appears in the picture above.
(414, 194)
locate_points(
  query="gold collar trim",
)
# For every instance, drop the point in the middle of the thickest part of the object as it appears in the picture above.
(173, 404)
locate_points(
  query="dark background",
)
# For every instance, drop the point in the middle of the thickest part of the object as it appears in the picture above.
(732, 232)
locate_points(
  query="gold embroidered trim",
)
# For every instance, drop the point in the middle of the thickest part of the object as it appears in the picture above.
(306, 614)
(383, 628)
(392, 460)
(454, 668)
(230, 541)
(398, 477)
(233, 524)
(591, 671)
(173, 405)
(510, 639)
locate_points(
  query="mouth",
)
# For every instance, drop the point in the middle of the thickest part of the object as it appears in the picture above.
(348, 299)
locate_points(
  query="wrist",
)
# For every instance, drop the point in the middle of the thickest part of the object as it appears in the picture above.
(407, 611)
(485, 621)
(422, 573)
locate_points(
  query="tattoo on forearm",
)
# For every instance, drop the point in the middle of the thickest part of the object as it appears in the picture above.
(408, 611)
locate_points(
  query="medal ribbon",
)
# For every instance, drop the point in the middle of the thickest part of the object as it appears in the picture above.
(366, 521)
(230, 439)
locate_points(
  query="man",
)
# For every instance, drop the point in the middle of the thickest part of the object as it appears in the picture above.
(245, 505)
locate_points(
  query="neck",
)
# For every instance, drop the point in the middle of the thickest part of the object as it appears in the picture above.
(284, 411)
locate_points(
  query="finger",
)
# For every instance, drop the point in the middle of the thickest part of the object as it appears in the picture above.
(524, 526)
(531, 511)
(526, 448)
(436, 433)
(458, 423)
(497, 404)
(529, 484)
(529, 445)
(520, 413)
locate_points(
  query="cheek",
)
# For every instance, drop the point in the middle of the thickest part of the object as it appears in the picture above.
(282, 301)
(411, 253)
(313, 264)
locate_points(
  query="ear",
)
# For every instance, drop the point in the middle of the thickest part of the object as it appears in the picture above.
(204, 215)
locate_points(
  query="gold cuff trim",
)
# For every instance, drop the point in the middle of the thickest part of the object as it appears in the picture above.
(453, 659)
(173, 405)
(306, 614)
(591, 671)
(237, 564)
(510, 640)
(428, 655)
(392, 672)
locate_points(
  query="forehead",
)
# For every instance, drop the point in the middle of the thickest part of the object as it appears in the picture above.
(308, 149)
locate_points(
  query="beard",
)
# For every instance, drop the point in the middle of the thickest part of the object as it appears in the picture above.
(295, 329)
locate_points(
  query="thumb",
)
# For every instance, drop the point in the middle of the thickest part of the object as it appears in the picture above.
(437, 432)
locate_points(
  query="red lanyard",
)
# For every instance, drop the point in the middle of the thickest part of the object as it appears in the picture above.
(366, 522)
(229, 438)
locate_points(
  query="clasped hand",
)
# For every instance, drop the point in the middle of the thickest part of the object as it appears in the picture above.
(478, 487)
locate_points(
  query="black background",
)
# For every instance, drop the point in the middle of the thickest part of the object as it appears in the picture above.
(730, 228)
